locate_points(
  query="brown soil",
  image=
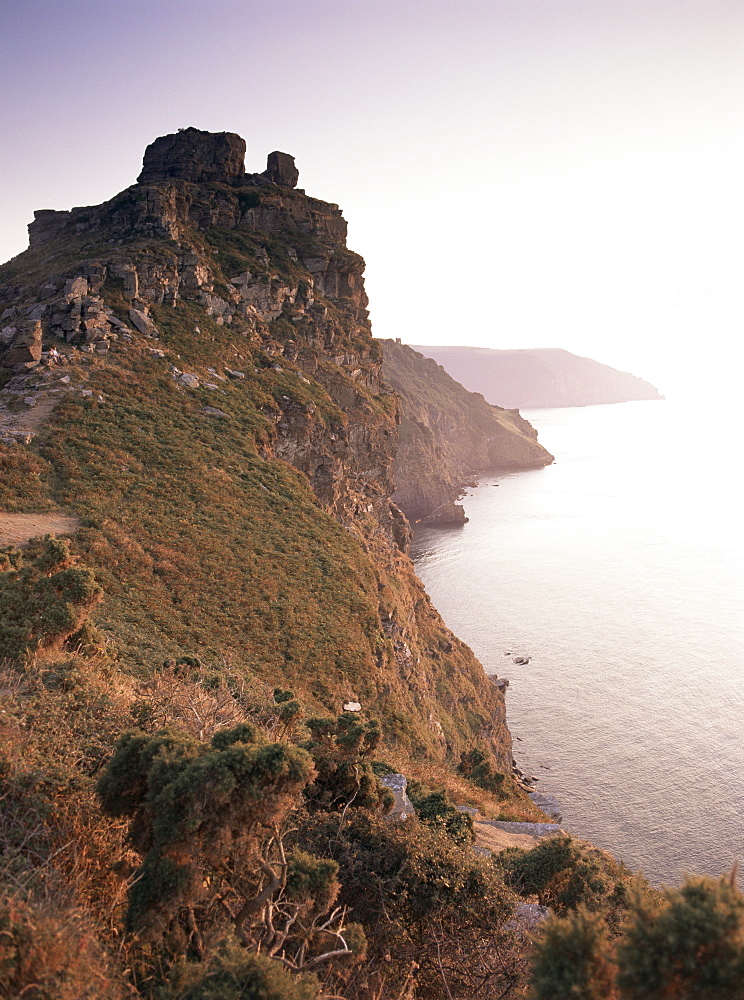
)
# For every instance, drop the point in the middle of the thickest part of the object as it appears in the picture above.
(17, 529)
(496, 840)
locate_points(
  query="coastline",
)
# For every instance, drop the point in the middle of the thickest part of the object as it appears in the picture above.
(628, 604)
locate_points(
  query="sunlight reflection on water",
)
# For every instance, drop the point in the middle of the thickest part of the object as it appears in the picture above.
(620, 570)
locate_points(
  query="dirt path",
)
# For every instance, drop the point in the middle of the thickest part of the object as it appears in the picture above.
(17, 529)
(495, 840)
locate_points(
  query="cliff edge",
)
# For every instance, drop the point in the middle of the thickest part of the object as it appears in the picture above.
(447, 435)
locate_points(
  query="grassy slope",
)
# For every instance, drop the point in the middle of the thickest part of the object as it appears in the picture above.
(205, 546)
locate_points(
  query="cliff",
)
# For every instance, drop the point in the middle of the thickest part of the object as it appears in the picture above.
(189, 389)
(541, 378)
(447, 435)
(219, 426)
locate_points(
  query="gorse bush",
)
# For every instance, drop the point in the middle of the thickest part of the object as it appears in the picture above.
(572, 959)
(436, 809)
(410, 885)
(45, 597)
(689, 946)
(341, 749)
(476, 767)
(564, 874)
(233, 973)
(48, 951)
(191, 805)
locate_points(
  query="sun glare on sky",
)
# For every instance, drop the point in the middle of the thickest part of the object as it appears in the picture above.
(551, 173)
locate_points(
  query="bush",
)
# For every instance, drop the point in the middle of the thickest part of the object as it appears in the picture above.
(236, 974)
(476, 767)
(689, 948)
(420, 897)
(44, 598)
(48, 951)
(436, 810)
(571, 959)
(192, 805)
(564, 874)
(341, 748)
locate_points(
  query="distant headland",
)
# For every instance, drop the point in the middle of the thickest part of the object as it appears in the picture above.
(539, 378)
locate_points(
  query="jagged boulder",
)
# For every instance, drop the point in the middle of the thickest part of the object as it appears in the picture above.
(196, 156)
(281, 169)
(25, 347)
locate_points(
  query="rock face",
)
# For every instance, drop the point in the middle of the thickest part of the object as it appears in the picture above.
(281, 169)
(25, 346)
(259, 307)
(195, 156)
(403, 808)
(534, 379)
(448, 435)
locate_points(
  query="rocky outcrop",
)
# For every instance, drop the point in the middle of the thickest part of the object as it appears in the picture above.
(281, 169)
(447, 436)
(196, 180)
(24, 345)
(534, 379)
(403, 808)
(195, 156)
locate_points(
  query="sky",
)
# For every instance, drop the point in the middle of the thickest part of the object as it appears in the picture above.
(516, 173)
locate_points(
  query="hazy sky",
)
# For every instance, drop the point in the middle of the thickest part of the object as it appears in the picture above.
(517, 173)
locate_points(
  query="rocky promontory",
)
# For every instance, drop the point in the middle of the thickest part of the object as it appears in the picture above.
(447, 436)
(539, 378)
(189, 370)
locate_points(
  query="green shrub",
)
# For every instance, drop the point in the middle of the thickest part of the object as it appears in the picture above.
(691, 947)
(234, 974)
(45, 598)
(563, 874)
(192, 805)
(571, 959)
(436, 809)
(409, 885)
(341, 749)
(476, 767)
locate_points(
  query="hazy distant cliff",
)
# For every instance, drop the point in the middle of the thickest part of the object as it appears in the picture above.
(533, 379)
(448, 434)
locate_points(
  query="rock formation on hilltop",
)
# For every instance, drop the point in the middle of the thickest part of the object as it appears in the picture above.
(448, 435)
(540, 378)
(221, 425)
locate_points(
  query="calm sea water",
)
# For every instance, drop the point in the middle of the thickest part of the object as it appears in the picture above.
(620, 571)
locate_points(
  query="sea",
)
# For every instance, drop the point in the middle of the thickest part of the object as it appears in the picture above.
(619, 572)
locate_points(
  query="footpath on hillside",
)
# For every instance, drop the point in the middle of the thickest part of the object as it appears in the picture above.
(18, 529)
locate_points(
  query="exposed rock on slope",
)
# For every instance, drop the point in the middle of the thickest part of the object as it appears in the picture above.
(221, 427)
(448, 434)
(533, 379)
